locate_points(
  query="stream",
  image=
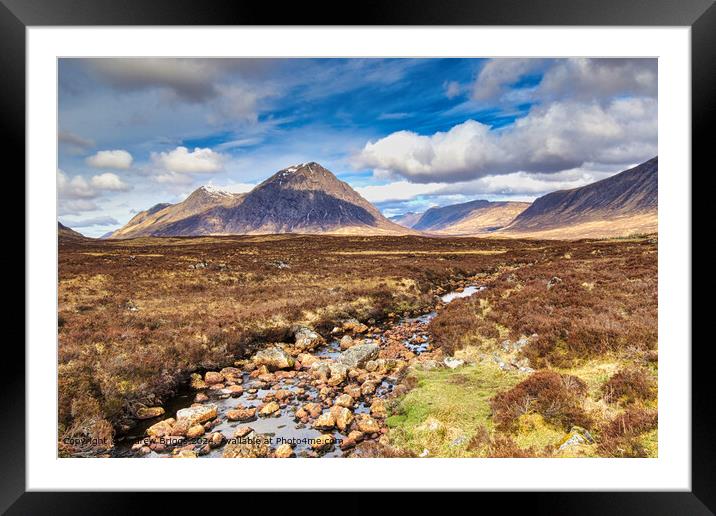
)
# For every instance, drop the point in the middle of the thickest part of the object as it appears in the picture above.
(401, 340)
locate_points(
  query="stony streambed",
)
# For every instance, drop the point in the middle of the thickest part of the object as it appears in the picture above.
(314, 397)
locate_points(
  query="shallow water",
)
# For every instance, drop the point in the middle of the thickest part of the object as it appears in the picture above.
(282, 426)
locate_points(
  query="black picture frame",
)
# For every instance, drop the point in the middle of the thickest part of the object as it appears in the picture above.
(700, 15)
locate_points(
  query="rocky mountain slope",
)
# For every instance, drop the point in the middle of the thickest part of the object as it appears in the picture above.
(408, 219)
(65, 232)
(159, 217)
(305, 198)
(474, 217)
(620, 205)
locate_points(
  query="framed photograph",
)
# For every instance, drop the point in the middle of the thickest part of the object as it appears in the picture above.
(444, 248)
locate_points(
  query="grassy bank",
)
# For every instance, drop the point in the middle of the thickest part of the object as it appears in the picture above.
(566, 344)
(137, 316)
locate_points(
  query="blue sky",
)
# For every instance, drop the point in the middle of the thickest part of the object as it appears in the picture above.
(406, 133)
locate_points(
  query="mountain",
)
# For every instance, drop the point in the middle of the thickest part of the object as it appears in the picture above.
(305, 198)
(159, 217)
(65, 232)
(486, 219)
(469, 218)
(407, 219)
(620, 205)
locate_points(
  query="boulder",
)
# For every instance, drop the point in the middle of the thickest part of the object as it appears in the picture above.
(313, 409)
(378, 409)
(234, 390)
(307, 339)
(325, 421)
(241, 414)
(453, 363)
(307, 360)
(553, 282)
(198, 413)
(162, 428)
(273, 358)
(367, 424)
(242, 431)
(342, 417)
(195, 431)
(216, 439)
(344, 400)
(346, 342)
(359, 354)
(368, 387)
(197, 383)
(338, 373)
(353, 391)
(269, 409)
(212, 378)
(354, 326)
(149, 412)
(576, 436)
(250, 446)
(284, 451)
(186, 454)
(323, 443)
(321, 371)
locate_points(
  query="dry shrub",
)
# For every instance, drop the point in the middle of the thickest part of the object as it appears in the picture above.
(619, 437)
(616, 312)
(498, 446)
(90, 434)
(374, 449)
(629, 385)
(558, 398)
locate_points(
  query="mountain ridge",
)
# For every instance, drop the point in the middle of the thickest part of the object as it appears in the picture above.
(305, 198)
(628, 201)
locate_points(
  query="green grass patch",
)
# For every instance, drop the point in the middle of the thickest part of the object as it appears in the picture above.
(445, 408)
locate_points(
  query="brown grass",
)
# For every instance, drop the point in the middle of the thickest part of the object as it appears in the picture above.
(558, 398)
(629, 385)
(604, 299)
(620, 436)
(136, 317)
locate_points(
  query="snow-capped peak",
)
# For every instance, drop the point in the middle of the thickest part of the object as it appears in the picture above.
(212, 190)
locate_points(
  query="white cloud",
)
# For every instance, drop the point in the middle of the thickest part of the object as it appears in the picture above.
(67, 207)
(172, 178)
(189, 79)
(550, 138)
(74, 188)
(77, 194)
(452, 89)
(397, 191)
(182, 161)
(574, 78)
(112, 159)
(234, 187)
(394, 116)
(93, 221)
(74, 142)
(109, 181)
(583, 78)
(496, 74)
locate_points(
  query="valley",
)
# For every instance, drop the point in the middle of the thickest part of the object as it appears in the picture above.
(462, 347)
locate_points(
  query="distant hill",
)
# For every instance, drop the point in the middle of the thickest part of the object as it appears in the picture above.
(474, 217)
(408, 219)
(65, 232)
(623, 204)
(305, 198)
(487, 219)
(159, 217)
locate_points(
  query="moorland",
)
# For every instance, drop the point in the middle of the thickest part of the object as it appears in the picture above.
(554, 355)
